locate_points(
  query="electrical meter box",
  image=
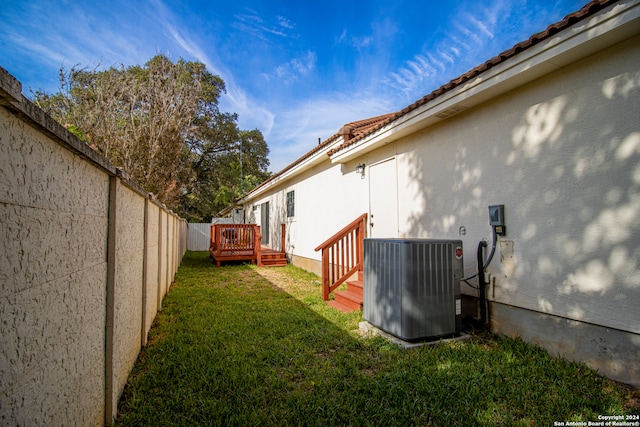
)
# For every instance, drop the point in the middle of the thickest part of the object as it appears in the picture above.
(496, 219)
(496, 215)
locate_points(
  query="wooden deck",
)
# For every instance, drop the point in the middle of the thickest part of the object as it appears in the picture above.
(241, 242)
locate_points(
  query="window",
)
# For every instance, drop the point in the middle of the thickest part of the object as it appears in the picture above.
(291, 198)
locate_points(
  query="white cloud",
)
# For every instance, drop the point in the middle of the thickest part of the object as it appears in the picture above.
(285, 23)
(295, 68)
(254, 24)
(444, 55)
(460, 47)
(482, 27)
(361, 42)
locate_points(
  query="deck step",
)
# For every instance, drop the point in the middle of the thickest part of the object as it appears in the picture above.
(271, 258)
(356, 286)
(349, 298)
(274, 262)
(341, 307)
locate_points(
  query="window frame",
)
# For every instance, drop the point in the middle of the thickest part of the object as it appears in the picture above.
(291, 204)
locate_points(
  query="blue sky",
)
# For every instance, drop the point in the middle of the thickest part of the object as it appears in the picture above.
(296, 70)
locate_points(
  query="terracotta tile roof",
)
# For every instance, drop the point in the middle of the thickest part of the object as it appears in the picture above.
(357, 129)
(589, 9)
(362, 127)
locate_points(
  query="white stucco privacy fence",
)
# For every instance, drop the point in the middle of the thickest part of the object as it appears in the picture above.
(86, 257)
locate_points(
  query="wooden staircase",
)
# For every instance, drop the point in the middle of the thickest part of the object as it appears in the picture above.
(350, 299)
(342, 258)
(271, 258)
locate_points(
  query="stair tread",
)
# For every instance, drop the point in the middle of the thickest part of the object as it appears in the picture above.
(349, 299)
(271, 258)
(341, 307)
(274, 263)
(349, 294)
(355, 284)
(356, 289)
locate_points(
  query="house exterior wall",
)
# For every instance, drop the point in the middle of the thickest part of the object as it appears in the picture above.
(326, 198)
(562, 154)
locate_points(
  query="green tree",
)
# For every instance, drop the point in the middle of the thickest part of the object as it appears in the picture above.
(224, 171)
(161, 124)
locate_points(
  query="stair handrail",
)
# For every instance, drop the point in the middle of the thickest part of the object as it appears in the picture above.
(342, 255)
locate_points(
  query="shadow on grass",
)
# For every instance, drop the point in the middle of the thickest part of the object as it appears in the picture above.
(232, 348)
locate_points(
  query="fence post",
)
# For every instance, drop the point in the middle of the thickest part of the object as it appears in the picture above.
(109, 404)
(160, 246)
(145, 276)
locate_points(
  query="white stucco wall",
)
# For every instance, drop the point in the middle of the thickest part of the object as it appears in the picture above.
(151, 265)
(164, 251)
(53, 234)
(128, 287)
(72, 263)
(563, 155)
(333, 197)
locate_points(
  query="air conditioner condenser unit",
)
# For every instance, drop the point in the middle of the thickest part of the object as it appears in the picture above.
(412, 287)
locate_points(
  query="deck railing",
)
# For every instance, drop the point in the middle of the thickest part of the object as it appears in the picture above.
(342, 255)
(239, 242)
(233, 237)
(234, 242)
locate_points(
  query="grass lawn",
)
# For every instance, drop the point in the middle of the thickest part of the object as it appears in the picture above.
(242, 345)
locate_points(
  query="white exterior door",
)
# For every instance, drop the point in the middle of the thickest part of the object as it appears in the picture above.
(383, 199)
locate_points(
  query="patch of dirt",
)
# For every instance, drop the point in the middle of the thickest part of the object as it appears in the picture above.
(278, 277)
(632, 397)
(282, 279)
